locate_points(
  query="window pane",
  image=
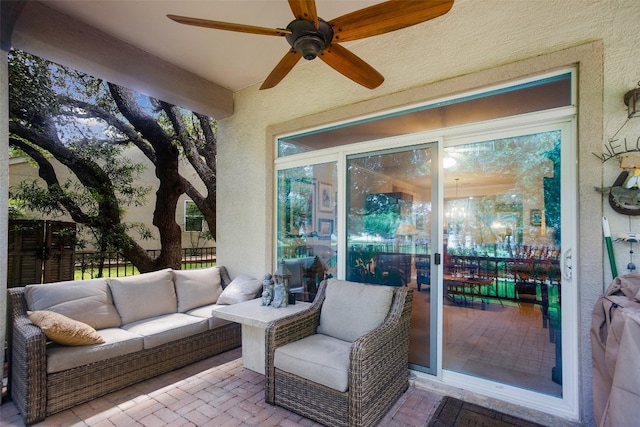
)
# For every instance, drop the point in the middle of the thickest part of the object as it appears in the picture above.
(389, 232)
(501, 262)
(524, 98)
(193, 218)
(306, 225)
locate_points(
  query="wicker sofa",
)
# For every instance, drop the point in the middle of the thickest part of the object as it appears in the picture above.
(149, 324)
(343, 362)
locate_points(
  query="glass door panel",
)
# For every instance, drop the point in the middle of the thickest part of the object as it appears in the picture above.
(388, 236)
(501, 272)
(307, 226)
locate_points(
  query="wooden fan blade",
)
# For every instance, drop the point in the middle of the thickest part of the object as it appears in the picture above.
(228, 26)
(305, 9)
(386, 17)
(282, 69)
(351, 66)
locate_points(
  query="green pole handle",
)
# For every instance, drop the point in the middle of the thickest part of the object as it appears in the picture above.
(607, 239)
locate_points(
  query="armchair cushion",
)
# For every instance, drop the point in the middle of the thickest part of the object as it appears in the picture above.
(351, 309)
(318, 358)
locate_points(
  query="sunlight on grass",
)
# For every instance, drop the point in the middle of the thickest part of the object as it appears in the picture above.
(91, 272)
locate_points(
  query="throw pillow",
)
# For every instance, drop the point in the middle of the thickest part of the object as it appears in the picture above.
(198, 287)
(242, 288)
(351, 309)
(63, 330)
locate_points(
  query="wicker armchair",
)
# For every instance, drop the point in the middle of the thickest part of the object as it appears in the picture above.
(377, 362)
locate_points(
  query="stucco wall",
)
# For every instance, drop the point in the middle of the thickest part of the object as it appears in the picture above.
(472, 45)
(4, 197)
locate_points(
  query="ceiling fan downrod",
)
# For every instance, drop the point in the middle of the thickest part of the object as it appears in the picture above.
(308, 40)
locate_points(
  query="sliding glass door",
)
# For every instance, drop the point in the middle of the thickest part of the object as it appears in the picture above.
(502, 282)
(476, 216)
(389, 230)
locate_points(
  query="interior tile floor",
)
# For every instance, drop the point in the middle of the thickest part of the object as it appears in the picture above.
(501, 341)
(216, 392)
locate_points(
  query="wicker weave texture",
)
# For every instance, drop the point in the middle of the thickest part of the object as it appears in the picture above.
(37, 394)
(378, 373)
(71, 387)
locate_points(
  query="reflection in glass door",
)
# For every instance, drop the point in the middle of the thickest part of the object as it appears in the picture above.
(389, 204)
(307, 226)
(501, 264)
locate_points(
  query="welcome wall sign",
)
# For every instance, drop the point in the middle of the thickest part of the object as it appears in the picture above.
(624, 194)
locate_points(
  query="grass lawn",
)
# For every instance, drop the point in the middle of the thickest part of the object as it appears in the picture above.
(130, 270)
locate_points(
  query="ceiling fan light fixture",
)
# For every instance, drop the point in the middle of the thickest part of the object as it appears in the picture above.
(309, 46)
(309, 35)
(308, 40)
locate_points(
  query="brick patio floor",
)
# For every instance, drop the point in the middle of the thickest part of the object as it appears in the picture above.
(216, 392)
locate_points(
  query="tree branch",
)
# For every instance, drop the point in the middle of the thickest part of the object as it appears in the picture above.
(209, 150)
(190, 148)
(48, 175)
(100, 113)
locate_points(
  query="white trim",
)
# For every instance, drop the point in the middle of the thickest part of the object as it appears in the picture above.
(563, 119)
(529, 399)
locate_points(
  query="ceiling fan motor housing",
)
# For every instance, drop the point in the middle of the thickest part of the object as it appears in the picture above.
(307, 39)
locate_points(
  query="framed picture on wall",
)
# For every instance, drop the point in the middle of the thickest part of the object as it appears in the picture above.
(325, 228)
(325, 197)
(536, 216)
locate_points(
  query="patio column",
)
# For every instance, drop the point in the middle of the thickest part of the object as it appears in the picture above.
(4, 193)
(10, 13)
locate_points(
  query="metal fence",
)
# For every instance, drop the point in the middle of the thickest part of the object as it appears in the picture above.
(89, 265)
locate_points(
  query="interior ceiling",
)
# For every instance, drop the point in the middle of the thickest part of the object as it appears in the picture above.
(230, 59)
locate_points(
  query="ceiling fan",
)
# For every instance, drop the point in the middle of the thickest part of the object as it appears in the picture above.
(311, 36)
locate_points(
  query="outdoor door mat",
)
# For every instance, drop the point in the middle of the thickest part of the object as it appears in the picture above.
(455, 413)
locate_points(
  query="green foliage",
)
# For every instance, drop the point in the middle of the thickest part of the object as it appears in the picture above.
(30, 88)
(91, 128)
(16, 209)
(36, 198)
(42, 95)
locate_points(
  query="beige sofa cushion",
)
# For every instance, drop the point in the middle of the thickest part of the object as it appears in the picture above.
(352, 309)
(318, 358)
(117, 342)
(195, 288)
(166, 328)
(206, 313)
(242, 288)
(63, 330)
(87, 301)
(145, 295)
